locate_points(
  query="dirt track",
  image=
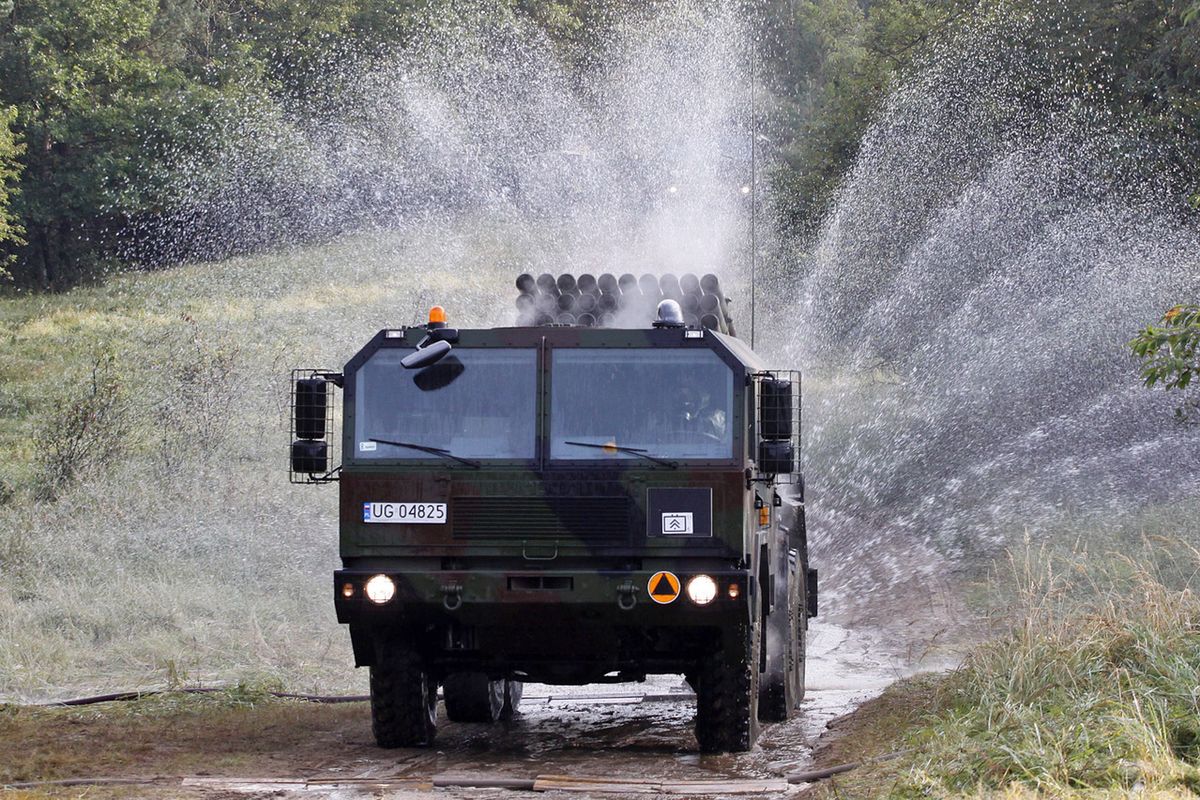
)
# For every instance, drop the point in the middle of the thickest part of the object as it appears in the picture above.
(561, 731)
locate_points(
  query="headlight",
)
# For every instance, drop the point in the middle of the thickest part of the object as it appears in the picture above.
(380, 589)
(702, 589)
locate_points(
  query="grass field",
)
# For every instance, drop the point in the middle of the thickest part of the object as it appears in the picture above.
(1087, 689)
(148, 533)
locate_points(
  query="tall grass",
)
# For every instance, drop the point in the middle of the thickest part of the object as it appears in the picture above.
(148, 533)
(1091, 687)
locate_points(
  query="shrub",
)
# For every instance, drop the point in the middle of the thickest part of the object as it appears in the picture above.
(1170, 353)
(195, 401)
(88, 429)
(1092, 686)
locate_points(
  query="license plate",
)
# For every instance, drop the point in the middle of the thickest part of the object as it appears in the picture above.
(405, 513)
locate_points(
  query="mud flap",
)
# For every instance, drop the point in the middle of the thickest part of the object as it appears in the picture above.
(364, 647)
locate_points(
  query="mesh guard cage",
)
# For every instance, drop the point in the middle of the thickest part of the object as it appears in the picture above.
(312, 427)
(777, 424)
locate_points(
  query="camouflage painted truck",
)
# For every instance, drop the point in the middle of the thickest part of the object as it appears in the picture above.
(608, 490)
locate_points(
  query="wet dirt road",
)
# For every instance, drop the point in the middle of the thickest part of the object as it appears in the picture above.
(596, 731)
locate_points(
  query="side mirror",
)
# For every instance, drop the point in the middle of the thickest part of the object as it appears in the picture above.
(777, 458)
(777, 410)
(777, 425)
(310, 457)
(426, 356)
(312, 425)
(311, 408)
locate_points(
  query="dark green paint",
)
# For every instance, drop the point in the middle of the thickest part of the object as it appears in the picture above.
(463, 598)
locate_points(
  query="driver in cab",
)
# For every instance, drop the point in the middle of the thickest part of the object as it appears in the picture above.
(698, 414)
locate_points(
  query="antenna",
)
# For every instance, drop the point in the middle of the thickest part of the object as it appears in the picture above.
(753, 182)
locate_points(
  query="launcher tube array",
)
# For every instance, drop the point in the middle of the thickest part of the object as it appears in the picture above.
(627, 301)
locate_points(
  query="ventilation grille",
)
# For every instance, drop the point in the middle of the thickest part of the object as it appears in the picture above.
(590, 518)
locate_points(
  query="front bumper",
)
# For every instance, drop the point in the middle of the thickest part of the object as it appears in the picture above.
(505, 597)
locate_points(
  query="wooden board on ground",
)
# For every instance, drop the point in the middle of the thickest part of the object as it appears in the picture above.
(733, 786)
(573, 783)
(581, 783)
(259, 785)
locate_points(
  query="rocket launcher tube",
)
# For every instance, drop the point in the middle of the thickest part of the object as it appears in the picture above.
(627, 300)
(566, 284)
(650, 290)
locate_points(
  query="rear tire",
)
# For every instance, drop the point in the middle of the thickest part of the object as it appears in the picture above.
(800, 611)
(800, 626)
(727, 698)
(471, 697)
(403, 700)
(786, 671)
(513, 690)
(776, 700)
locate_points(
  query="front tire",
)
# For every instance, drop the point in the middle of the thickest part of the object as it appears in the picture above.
(727, 697)
(403, 700)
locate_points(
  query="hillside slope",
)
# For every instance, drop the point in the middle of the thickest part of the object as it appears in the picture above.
(148, 533)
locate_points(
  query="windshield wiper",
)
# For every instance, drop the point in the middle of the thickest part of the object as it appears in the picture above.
(637, 451)
(424, 448)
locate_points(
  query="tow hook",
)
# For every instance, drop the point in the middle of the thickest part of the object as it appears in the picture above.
(452, 596)
(627, 596)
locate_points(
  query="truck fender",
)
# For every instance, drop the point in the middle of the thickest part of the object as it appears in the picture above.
(363, 643)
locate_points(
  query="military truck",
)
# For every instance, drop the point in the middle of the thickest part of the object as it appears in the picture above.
(609, 489)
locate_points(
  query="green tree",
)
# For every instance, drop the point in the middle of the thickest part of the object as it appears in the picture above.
(10, 173)
(834, 61)
(831, 63)
(77, 73)
(1170, 353)
(107, 92)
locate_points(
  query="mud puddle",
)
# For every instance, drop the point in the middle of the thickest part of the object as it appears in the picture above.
(640, 732)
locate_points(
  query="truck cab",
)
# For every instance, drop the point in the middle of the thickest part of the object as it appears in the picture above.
(565, 504)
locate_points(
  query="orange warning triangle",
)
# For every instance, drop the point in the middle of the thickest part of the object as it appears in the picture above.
(663, 587)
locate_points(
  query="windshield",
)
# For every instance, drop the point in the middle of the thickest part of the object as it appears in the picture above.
(657, 403)
(474, 403)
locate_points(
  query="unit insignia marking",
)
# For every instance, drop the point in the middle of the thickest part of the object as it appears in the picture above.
(663, 587)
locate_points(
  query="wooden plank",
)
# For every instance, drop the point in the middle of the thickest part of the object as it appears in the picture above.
(256, 785)
(730, 786)
(377, 785)
(581, 783)
(245, 785)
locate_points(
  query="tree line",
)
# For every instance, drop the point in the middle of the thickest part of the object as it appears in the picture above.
(834, 61)
(93, 93)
